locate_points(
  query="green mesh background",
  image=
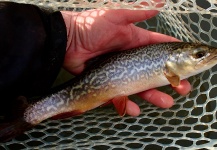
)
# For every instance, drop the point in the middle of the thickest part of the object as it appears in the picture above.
(190, 124)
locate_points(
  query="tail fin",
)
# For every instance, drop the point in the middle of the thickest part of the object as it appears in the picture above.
(12, 129)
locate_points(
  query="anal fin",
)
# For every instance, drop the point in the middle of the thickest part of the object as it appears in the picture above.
(66, 115)
(107, 103)
(120, 104)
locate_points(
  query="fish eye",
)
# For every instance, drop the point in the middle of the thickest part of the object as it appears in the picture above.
(200, 54)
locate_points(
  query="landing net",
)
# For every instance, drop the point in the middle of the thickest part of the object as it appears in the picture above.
(190, 124)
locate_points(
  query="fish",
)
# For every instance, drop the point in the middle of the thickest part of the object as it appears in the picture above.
(115, 78)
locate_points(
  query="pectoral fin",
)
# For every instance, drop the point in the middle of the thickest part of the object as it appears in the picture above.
(173, 78)
(120, 104)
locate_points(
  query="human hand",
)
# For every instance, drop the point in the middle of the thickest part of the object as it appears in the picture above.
(95, 32)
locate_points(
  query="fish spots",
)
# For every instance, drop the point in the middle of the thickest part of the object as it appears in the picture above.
(48, 107)
(51, 108)
(60, 103)
(125, 68)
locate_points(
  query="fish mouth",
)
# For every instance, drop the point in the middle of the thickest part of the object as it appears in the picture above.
(211, 58)
(207, 61)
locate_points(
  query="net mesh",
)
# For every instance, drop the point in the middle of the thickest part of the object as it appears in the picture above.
(190, 124)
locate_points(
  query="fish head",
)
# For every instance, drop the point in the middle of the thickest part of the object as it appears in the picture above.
(190, 59)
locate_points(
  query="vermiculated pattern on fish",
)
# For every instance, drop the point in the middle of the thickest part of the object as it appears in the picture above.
(120, 75)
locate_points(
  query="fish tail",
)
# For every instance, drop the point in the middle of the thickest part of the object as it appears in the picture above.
(10, 130)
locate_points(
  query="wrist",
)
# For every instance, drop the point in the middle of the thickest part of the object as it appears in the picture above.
(68, 17)
(70, 61)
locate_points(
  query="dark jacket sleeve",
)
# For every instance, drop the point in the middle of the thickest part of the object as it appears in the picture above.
(32, 48)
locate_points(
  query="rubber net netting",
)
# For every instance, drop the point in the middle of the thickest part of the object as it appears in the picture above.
(190, 124)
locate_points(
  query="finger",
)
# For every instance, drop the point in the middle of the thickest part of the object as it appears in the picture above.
(132, 16)
(140, 16)
(157, 98)
(121, 16)
(132, 108)
(124, 16)
(154, 37)
(75, 69)
(184, 88)
(142, 37)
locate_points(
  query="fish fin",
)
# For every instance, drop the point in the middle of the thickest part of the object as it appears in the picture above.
(120, 104)
(105, 104)
(173, 78)
(12, 129)
(13, 108)
(67, 115)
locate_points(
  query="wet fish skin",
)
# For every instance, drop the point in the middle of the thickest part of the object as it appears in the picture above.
(125, 73)
(101, 83)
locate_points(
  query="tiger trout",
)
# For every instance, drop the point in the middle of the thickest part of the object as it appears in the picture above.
(120, 75)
